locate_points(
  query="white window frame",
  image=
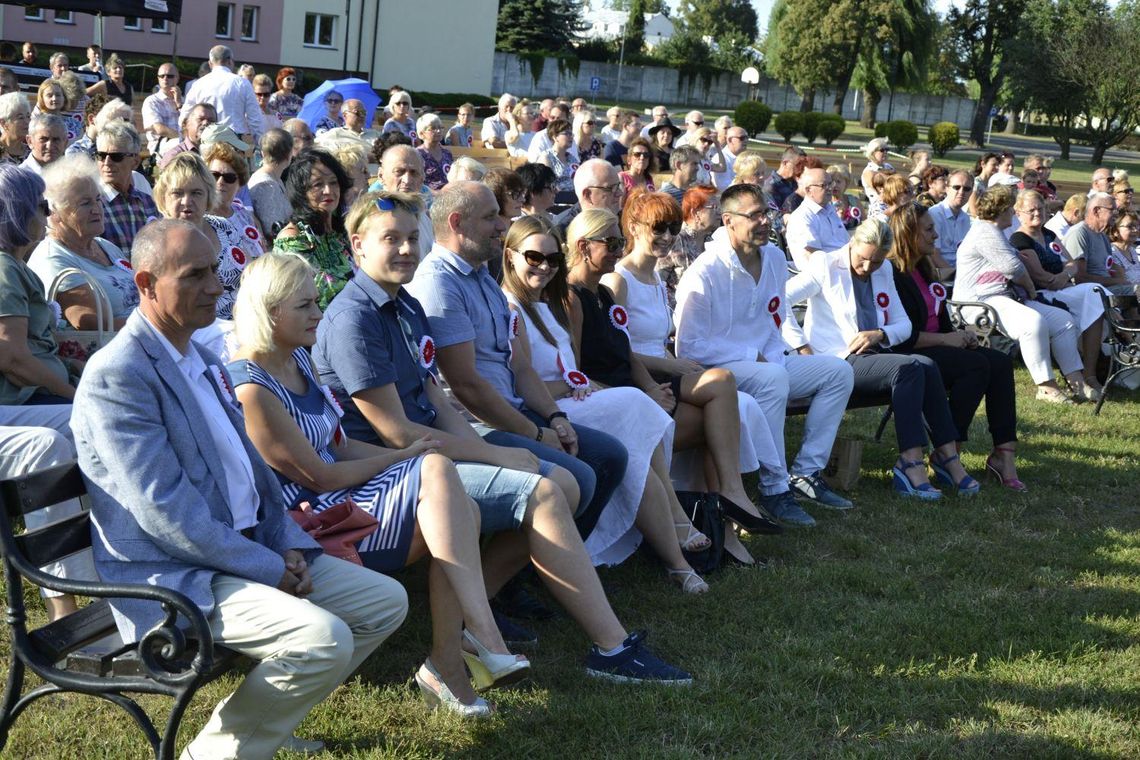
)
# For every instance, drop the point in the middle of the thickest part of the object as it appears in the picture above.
(255, 12)
(33, 13)
(229, 35)
(65, 17)
(160, 26)
(314, 43)
(132, 27)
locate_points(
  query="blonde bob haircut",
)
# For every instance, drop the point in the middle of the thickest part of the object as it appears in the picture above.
(749, 164)
(180, 172)
(370, 205)
(589, 224)
(267, 282)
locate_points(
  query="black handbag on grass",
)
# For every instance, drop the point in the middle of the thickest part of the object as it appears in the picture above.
(705, 511)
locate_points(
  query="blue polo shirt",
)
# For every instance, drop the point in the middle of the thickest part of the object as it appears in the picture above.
(465, 304)
(368, 340)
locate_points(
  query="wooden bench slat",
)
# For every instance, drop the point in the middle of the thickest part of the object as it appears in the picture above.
(43, 488)
(56, 541)
(62, 637)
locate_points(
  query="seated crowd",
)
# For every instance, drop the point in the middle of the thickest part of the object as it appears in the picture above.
(502, 368)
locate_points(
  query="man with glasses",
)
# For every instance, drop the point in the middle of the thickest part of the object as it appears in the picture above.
(731, 309)
(694, 120)
(194, 121)
(1088, 244)
(160, 111)
(355, 117)
(125, 208)
(231, 96)
(951, 221)
(660, 116)
(629, 126)
(1101, 181)
(735, 143)
(597, 185)
(814, 225)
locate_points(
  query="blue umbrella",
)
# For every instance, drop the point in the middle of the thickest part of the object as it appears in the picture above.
(314, 106)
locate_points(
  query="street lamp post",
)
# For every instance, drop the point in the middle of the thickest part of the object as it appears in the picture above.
(621, 62)
(751, 77)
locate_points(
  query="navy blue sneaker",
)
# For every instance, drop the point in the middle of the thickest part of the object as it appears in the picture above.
(514, 635)
(634, 664)
(813, 488)
(787, 510)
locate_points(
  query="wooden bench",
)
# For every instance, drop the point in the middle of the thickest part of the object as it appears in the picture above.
(83, 652)
(489, 157)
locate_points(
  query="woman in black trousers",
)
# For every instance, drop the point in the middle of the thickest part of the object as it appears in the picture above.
(969, 371)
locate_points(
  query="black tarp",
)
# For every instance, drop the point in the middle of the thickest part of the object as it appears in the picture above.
(171, 10)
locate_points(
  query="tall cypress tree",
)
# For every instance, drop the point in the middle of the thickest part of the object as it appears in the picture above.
(537, 25)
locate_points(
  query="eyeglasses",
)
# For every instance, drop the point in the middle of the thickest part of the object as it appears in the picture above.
(615, 187)
(334, 102)
(588, 124)
(518, 196)
(817, 184)
(537, 258)
(697, 123)
(756, 216)
(956, 188)
(613, 244)
(354, 112)
(1129, 191)
(167, 76)
(1102, 208)
(639, 154)
(262, 94)
(673, 228)
(228, 177)
(115, 157)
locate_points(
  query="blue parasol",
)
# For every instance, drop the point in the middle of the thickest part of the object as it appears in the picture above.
(314, 106)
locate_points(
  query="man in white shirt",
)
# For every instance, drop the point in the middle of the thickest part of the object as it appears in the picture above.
(494, 132)
(951, 221)
(612, 130)
(731, 309)
(694, 120)
(47, 140)
(230, 95)
(736, 142)
(660, 116)
(160, 111)
(1101, 182)
(722, 125)
(814, 225)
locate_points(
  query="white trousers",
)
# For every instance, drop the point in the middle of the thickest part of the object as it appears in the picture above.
(825, 381)
(1037, 328)
(305, 647)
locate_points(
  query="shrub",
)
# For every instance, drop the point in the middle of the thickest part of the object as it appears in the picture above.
(789, 124)
(810, 128)
(902, 134)
(944, 137)
(752, 116)
(831, 127)
(881, 129)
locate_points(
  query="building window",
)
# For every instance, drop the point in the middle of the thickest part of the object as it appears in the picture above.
(159, 26)
(64, 17)
(132, 23)
(33, 13)
(319, 30)
(249, 15)
(224, 27)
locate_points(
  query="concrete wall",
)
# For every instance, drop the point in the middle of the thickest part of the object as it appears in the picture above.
(660, 85)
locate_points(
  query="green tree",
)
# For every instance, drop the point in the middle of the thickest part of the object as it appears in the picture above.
(650, 6)
(720, 19)
(813, 45)
(683, 48)
(635, 27)
(539, 25)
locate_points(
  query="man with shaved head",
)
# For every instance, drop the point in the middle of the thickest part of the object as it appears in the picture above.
(402, 171)
(815, 225)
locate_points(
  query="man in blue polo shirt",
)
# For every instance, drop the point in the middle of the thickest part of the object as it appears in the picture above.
(475, 338)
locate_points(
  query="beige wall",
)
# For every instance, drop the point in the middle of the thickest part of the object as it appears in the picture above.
(293, 51)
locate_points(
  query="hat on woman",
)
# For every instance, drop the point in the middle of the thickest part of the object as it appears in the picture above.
(665, 125)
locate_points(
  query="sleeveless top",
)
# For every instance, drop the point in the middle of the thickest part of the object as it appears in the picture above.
(1051, 261)
(550, 362)
(650, 320)
(605, 347)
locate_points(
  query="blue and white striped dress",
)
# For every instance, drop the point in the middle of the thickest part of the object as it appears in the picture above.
(390, 496)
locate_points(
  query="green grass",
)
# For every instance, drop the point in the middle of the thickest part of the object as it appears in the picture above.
(999, 626)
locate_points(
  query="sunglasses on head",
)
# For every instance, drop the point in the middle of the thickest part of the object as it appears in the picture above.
(228, 177)
(673, 228)
(115, 156)
(613, 244)
(536, 258)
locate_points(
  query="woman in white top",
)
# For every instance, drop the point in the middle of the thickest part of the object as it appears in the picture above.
(876, 153)
(520, 130)
(534, 279)
(1123, 234)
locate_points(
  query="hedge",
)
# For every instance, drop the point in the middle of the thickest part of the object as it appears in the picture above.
(789, 124)
(752, 116)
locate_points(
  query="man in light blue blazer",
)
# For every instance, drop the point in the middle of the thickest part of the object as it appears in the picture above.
(181, 499)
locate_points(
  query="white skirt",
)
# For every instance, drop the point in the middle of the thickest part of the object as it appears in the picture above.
(1083, 301)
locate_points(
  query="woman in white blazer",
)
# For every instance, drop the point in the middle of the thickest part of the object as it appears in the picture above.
(854, 313)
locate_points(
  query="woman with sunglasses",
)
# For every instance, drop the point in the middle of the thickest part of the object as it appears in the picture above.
(231, 173)
(285, 102)
(708, 410)
(639, 163)
(401, 120)
(1123, 193)
(585, 141)
(700, 213)
(712, 157)
(644, 503)
(332, 118)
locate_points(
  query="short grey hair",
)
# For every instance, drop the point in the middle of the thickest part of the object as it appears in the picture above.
(121, 134)
(1099, 196)
(220, 54)
(149, 250)
(399, 96)
(57, 57)
(874, 232)
(267, 282)
(426, 120)
(63, 176)
(276, 146)
(13, 103)
(467, 165)
(589, 172)
(724, 122)
(870, 148)
(46, 120)
(505, 98)
(682, 156)
(455, 197)
(113, 110)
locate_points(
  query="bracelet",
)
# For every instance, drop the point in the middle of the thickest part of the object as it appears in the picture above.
(538, 436)
(555, 415)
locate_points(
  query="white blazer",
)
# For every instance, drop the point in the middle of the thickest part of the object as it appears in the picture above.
(831, 314)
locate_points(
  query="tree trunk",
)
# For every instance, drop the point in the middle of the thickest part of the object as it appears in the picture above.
(843, 82)
(1099, 149)
(808, 101)
(871, 98)
(982, 115)
(1014, 120)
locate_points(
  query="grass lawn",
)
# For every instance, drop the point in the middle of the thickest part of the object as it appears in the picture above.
(999, 626)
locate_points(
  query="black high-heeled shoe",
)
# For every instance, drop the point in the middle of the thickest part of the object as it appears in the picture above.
(761, 523)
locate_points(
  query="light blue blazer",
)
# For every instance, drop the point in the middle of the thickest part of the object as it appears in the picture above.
(158, 502)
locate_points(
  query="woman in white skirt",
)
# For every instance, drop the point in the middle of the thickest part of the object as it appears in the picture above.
(990, 270)
(644, 504)
(1053, 272)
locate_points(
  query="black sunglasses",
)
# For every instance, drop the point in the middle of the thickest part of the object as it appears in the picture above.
(114, 156)
(536, 258)
(228, 177)
(673, 228)
(613, 244)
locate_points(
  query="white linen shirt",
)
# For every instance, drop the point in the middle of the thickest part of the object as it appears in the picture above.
(724, 315)
(239, 486)
(813, 226)
(232, 96)
(951, 230)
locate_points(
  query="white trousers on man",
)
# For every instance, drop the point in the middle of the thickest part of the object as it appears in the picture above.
(305, 647)
(1037, 328)
(824, 380)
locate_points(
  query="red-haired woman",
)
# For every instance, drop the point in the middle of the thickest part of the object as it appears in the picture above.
(286, 103)
(700, 216)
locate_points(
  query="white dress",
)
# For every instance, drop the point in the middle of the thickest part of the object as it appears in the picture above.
(625, 413)
(650, 323)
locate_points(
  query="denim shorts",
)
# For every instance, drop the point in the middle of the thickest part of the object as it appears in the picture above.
(501, 494)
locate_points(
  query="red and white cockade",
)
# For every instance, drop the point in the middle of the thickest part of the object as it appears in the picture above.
(938, 293)
(427, 352)
(124, 265)
(223, 384)
(619, 318)
(238, 256)
(338, 434)
(774, 310)
(884, 301)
